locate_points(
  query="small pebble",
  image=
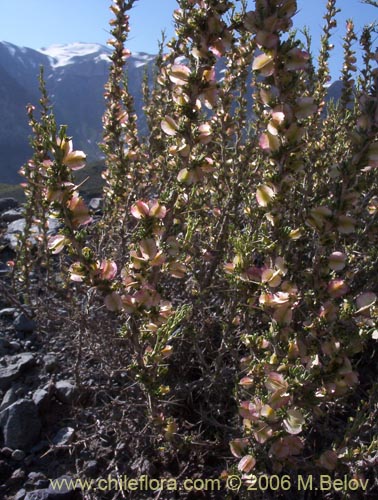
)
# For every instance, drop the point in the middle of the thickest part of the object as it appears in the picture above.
(18, 455)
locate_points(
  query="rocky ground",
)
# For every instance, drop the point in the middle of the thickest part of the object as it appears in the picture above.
(37, 392)
(53, 428)
(35, 403)
(64, 414)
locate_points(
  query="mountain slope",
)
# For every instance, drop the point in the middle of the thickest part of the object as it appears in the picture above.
(75, 76)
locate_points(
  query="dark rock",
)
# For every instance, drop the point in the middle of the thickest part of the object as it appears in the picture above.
(41, 399)
(4, 269)
(11, 215)
(5, 347)
(91, 468)
(8, 203)
(18, 455)
(17, 477)
(10, 397)
(51, 363)
(16, 346)
(36, 476)
(66, 391)
(63, 436)
(5, 471)
(20, 424)
(6, 452)
(23, 324)
(38, 480)
(29, 460)
(42, 445)
(17, 364)
(8, 312)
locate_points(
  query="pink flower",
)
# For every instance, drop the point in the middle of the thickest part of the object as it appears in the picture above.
(108, 269)
(75, 160)
(337, 288)
(297, 59)
(79, 211)
(152, 208)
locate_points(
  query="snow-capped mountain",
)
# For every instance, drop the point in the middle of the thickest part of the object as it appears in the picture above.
(75, 76)
(63, 55)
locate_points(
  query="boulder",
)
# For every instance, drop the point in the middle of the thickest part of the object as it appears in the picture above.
(11, 396)
(7, 203)
(41, 399)
(5, 471)
(16, 366)
(20, 424)
(51, 362)
(11, 215)
(66, 391)
(18, 455)
(23, 324)
(8, 312)
(63, 436)
(5, 346)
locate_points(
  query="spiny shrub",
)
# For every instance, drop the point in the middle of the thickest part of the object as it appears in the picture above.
(237, 253)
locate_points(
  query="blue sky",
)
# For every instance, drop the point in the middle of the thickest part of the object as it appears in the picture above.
(40, 23)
